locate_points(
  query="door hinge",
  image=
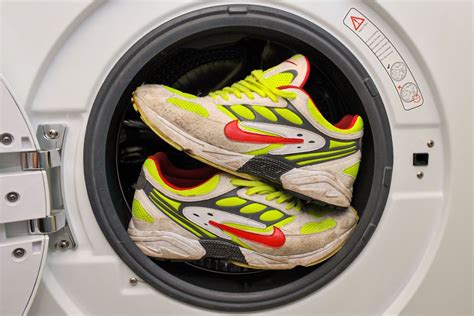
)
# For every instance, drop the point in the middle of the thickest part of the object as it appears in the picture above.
(48, 158)
(49, 224)
(40, 160)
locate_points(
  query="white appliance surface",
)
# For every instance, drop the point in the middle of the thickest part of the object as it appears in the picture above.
(55, 56)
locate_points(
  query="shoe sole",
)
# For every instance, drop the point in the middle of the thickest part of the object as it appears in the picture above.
(172, 246)
(318, 183)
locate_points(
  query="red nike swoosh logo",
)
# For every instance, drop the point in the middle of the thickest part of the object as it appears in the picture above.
(232, 131)
(275, 240)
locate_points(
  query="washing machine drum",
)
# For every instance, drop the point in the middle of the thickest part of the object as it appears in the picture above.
(197, 53)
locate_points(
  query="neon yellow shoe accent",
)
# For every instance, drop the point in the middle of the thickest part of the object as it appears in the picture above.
(318, 154)
(289, 115)
(307, 162)
(237, 240)
(280, 79)
(189, 106)
(337, 144)
(353, 170)
(256, 130)
(180, 93)
(224, 110)
(174, 215)
(318, 117)
(264, 150)
(171, 202)
(139, 212)
(231, 201)
(317, 227)
(265, 112)
(254, 83)
(270, 216)
(263, 188)
(284, 222)
(243, 111)
(203, 189)
(252, 208)
(177, 220)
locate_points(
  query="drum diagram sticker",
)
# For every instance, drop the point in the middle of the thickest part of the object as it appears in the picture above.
(389, 57)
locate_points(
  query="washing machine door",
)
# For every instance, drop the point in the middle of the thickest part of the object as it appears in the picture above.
(28, 166)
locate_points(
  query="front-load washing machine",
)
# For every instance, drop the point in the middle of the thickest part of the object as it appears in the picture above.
(72, 146)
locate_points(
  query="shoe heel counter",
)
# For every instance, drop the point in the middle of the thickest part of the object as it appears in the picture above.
(352, 170)
(350, 127)
(349, 168)
(356, 125)
(140, 213)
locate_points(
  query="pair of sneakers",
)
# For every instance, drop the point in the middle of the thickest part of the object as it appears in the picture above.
(261, 134)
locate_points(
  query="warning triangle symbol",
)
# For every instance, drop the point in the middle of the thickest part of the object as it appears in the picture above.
(357, 22)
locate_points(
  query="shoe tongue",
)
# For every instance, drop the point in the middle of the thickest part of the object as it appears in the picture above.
(291, 72)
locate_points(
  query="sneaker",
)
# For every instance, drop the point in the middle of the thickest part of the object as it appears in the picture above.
(264, 127)
(190, 214)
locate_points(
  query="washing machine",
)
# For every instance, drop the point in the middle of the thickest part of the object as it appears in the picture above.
(71, 149)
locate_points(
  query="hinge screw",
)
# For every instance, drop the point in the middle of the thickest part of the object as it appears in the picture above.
(133, 281)
(12, 197)
(430, 143)
(62, 244)
(19, 253)
(53, 134)
(7, 139)
(420, 174)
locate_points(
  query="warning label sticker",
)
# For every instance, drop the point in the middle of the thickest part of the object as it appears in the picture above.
(357, 22)
(393, 63)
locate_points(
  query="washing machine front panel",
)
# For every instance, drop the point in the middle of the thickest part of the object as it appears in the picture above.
(67, 82)
(24, 203)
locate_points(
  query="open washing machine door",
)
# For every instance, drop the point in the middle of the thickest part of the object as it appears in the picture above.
(31, 205)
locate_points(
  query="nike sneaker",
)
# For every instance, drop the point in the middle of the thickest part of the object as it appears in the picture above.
(263, 127)
(189, 214)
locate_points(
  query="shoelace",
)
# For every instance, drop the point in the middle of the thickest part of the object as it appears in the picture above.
(258, 187)
(254, 83)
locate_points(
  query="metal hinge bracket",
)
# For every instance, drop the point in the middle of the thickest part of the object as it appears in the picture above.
(49, 224)
(40, 160)
(50, 138)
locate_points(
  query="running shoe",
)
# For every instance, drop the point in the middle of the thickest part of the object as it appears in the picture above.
(263, 127)
(190, 214)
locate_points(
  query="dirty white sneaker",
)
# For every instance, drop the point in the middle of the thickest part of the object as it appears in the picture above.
(189, 214)
(266, 127)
